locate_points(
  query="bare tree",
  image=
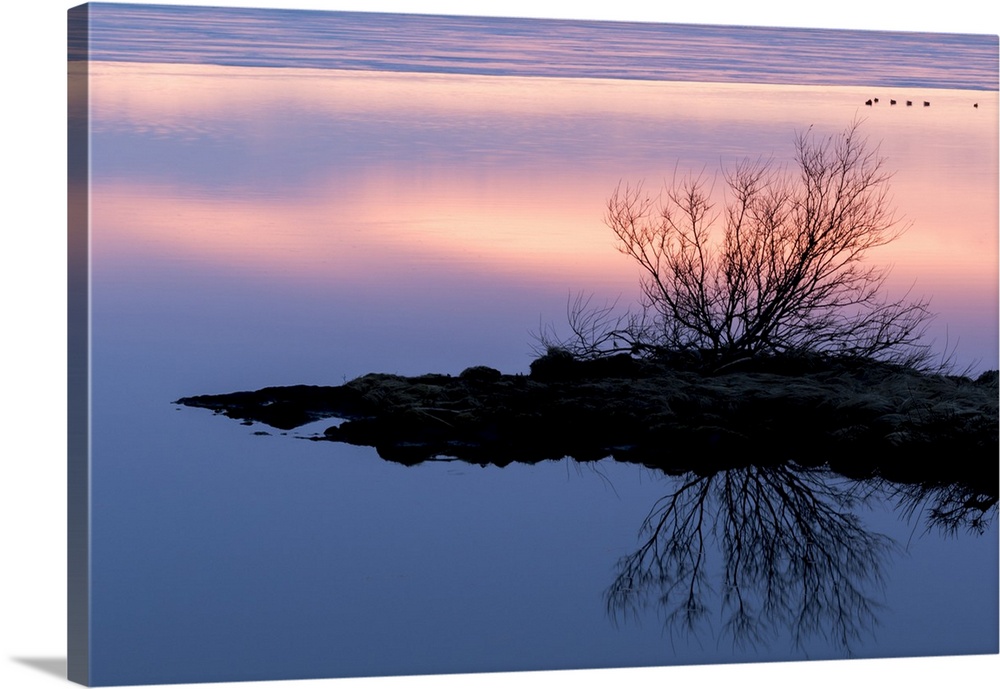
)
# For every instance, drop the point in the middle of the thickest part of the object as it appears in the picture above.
(780, 269)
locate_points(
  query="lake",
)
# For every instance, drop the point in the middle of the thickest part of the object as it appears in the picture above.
(280, 212)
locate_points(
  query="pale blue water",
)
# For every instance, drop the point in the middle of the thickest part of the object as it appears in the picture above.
(219, 554)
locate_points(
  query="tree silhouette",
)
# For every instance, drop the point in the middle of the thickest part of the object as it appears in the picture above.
(780, 269)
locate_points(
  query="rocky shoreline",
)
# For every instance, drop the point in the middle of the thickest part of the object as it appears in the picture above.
(862, 419)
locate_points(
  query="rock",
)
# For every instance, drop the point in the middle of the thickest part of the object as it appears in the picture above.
(482, 373)
(555, 364)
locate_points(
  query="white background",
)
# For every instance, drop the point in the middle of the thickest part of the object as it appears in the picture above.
(33, 333)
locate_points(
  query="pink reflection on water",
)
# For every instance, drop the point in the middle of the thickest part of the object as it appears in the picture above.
(446, 175)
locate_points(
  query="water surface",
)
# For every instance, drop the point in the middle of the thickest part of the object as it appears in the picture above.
(538, 47)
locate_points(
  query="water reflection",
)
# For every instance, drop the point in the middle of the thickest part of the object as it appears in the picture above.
(776, 551)
(947, 507)
(758, 553)
(753, 551)
(793, 557)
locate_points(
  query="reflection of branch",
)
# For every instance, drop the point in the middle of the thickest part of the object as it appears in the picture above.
(949, 507)
(793, 557)
(668, 563)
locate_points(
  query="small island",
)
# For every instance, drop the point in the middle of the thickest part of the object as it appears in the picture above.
(763, 342)
(861, 418)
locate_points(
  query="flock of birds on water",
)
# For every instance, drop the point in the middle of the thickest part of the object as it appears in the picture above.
(927, 103)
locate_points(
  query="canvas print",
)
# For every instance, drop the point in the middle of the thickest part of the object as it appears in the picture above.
(434, 344)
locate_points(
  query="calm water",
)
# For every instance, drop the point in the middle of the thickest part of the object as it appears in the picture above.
(257, 226)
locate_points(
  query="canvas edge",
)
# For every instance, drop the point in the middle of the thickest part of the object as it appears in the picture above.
(78, 346)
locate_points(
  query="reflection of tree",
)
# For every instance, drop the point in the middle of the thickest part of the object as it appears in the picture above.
(948, 507)
(793, 557)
